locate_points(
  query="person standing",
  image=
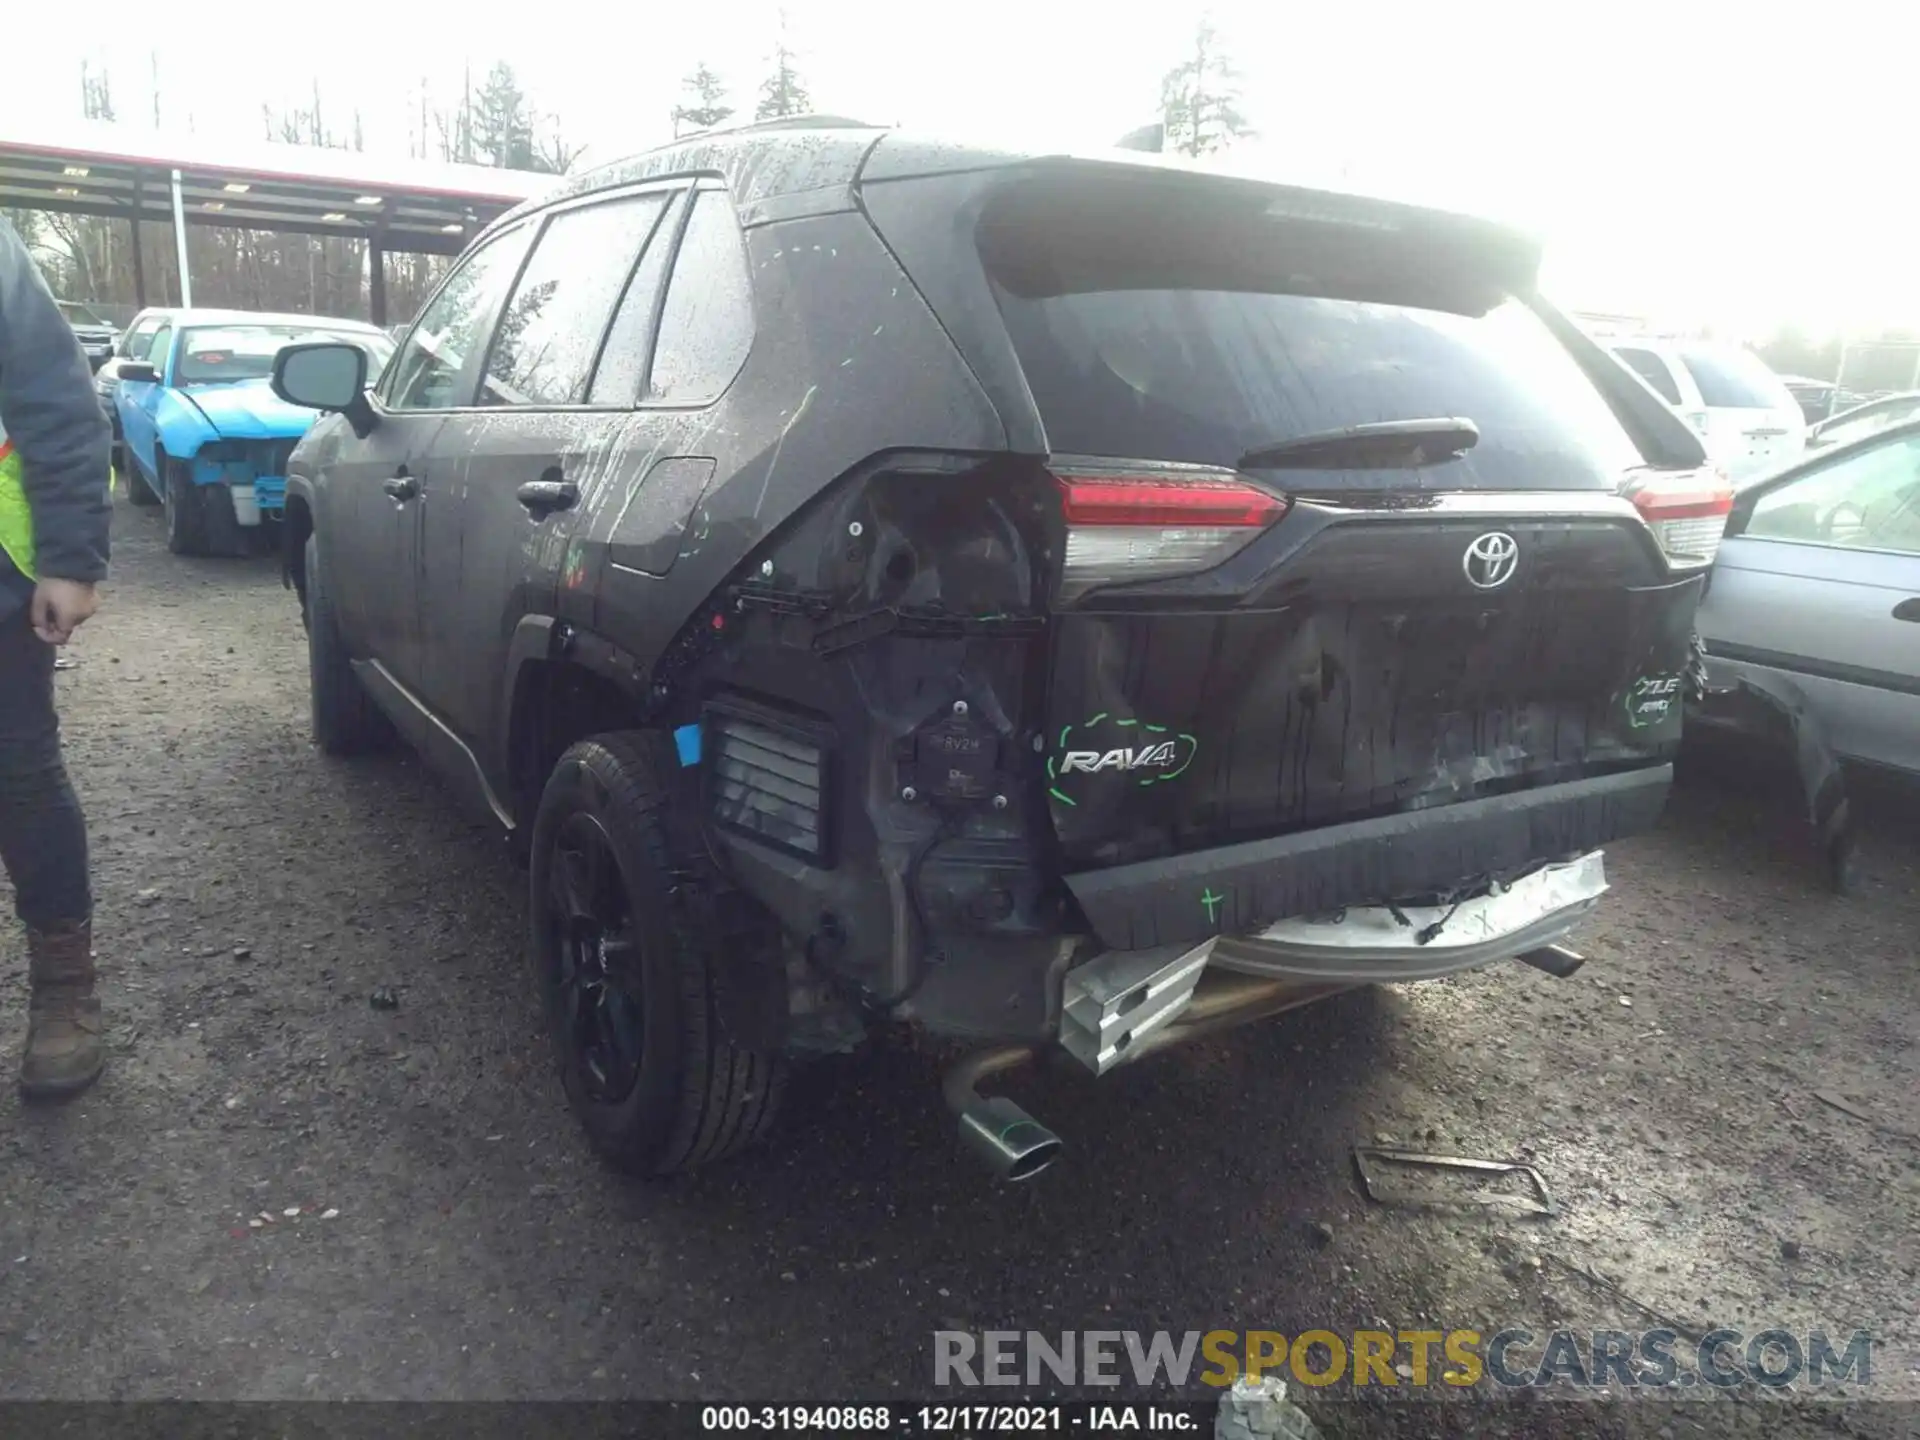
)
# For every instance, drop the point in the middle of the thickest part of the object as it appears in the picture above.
(54, 508)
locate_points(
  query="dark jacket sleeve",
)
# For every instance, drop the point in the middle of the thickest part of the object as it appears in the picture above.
(53, 418)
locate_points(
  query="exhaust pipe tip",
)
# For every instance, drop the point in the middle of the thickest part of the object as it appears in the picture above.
(1557, 960)
(1008, 1140)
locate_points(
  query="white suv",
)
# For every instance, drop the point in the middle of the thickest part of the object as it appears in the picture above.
(1744, 413)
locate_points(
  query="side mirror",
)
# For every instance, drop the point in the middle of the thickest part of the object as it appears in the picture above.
(138, 370)
(325, 375)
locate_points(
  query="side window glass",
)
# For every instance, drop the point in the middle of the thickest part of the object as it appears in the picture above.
(706, 326)
(134, 346)
(423, 375)
(157, 348)
(544, 347)
(622, 371)
(1652, 369)
(1867, 501)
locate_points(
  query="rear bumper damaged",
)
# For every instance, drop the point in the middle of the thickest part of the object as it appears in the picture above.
(1240, 889)
(1117, 1001)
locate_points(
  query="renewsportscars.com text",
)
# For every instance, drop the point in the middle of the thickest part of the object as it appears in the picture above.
(1514, 1358)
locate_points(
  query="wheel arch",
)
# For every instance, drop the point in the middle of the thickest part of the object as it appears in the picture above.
(562, 685)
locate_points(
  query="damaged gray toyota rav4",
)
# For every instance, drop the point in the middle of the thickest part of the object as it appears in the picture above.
(1061, 603)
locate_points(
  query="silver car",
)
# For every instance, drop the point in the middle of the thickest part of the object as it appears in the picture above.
(1811, 621)
(1817, 584)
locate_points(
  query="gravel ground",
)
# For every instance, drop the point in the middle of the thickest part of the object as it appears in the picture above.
(453, 1237)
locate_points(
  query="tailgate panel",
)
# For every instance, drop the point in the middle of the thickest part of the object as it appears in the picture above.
(1365, 678)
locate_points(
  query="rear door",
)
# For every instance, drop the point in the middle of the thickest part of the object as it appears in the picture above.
(1819, 579)
(1246, 644)
(550, 427)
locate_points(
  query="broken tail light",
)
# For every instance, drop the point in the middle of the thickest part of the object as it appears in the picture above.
(1687, 512)
(1130, 521)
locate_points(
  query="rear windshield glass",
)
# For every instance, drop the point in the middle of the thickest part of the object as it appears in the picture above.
(1735, 380)
(1204, 376)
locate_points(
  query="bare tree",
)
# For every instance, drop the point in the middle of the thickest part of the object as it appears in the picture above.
(552, 154)
(96, 93)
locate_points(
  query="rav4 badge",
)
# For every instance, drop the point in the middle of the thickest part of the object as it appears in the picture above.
(1105, 745)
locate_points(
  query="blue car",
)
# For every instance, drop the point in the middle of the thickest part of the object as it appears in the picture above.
(201, 431)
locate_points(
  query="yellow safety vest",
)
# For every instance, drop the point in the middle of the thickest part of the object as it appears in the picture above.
(16, 519)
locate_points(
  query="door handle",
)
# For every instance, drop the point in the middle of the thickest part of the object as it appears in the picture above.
(546, 497)
(401, 487)
(1908, 609)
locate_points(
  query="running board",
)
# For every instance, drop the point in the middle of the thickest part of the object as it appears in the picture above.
(433, 739)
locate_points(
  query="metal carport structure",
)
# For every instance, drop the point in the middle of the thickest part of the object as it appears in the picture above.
(120, 172)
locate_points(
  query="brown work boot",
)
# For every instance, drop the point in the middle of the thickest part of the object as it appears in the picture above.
(64, 1049)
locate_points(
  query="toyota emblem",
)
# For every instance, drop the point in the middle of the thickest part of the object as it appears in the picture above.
(1491, 560)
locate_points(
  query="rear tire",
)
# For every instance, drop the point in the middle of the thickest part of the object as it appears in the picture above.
(345, 719)
(186, 530)
(625, 975)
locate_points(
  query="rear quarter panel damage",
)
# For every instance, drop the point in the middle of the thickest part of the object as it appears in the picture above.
(847, 363)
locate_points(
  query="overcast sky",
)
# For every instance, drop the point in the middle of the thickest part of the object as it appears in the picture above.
(1698, 159)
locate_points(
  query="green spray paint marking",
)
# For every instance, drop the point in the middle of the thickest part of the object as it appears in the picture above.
(1096, 755)
(1174, 774)
(1212, 901)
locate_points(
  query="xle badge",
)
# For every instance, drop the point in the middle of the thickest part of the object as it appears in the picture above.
(1109, 747)
(1650, 699)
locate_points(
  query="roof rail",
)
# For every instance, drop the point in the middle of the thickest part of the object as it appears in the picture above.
(789, 122)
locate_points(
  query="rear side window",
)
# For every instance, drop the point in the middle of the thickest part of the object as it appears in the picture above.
(1735, 380)
(134, 342)
(1869, 500)
(551, 327)
(706, 327)
(426, 372)
(1652, 369)
(622, 371)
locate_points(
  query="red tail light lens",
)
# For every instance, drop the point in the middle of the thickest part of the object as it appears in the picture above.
(1130, 521)
(1686, 511)
(1112, 500)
